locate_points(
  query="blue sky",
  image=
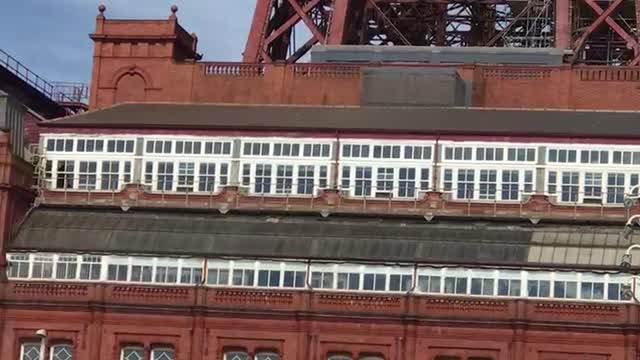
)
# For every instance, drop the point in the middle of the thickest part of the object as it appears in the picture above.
(51, 36)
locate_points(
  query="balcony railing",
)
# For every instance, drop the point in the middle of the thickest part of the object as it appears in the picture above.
(50, 90)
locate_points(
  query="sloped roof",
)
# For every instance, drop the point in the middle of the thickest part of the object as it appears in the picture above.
(428, 120)
(355, 239)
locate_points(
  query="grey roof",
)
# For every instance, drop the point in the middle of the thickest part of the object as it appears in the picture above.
(370, 119)
(289, 236)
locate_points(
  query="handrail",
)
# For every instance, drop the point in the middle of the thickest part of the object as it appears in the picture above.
(36, 81)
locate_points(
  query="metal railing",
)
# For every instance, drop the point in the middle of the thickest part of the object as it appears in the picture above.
(36, 81)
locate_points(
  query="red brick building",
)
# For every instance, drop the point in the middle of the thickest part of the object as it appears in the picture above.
(241, 211)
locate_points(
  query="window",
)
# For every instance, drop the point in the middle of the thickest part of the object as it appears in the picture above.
(42, 267)
(18, 266)
(508, 287)
(455, 285)
(224, 174)
(626, 157)
(90, 267)
(400, 282)
(593, 185)
(61, 352)
(148, 172)
(267, 355)
(60, 145)
(185, 176)
(162, 354)
(458, 153)
(346, 177)
(375, 282)
(489, 154)
(528, 181)
(538, 288)
(246, 174)
(465, 184)
(305, 179)
(429, 283)
(284, 179)
(510, 185)
(481, 286)
(217, 148)
(417, 152)
(488, 184)
(521, 154)
(217, 276)
(363, 181)
(207, 177)
(270, 278)
(385, 180)
(127, 172)
(117, 272)
(295, 279)
(386, 152)
(286, 150)
(236, 355)
(165, 176)
(66, 267)
(615, 291)
(322, 280)
(188, 147)
(570, 186)
(339, 357)
(87, 179)
(30, 351)
(592, 290)
(355, 151)
(615, 188)
(110, 175)
(315, 150)
(322, 178)
(594, 157)
(424, 179)
(447, 180)
(552, 181)
(190, 275)
(141, 273)
(348, 281)
(243, 277)
(256, 149)
(407, 182)
(158, 147)
(565, 289)
(65, 174)
(562, 156)
(263, 179)
(132, 353)
(166, 274)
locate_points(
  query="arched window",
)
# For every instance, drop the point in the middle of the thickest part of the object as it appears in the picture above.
(340, 357)
(61, 352)
(371, 357)
(236, 355)
(162, 353)
(267, 355)
(132, 353)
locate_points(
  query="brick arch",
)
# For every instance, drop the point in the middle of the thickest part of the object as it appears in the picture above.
(131, 70)
(130, 88)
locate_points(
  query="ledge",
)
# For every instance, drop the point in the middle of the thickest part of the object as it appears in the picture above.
(433, 204)
(402, 306)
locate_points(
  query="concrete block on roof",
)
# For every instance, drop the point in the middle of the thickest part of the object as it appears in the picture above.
(395, 86)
